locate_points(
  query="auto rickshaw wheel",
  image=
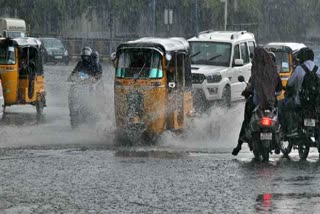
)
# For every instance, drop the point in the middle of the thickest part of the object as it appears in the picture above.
(150, 139)
(3, 111)
(40, 104)
(74, 121)
(39, 107)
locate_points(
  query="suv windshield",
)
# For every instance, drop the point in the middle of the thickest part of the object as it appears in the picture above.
(52, 43)
(139, 63)
(282, 60)
(7, 56)
(210, 53)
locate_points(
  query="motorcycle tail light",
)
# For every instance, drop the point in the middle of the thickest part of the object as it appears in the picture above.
(265, 121)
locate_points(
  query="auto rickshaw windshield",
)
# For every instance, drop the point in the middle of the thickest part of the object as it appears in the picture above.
(139, 63)
(282, 61)
(7, 55)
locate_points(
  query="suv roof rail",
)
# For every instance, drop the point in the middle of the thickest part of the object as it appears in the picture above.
(206, 31)
(237, 34)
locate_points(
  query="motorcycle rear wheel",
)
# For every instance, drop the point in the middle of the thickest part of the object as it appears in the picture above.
(264, 153)
(255, 147)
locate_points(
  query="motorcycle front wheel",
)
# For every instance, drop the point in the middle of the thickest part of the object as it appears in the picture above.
(303, 148)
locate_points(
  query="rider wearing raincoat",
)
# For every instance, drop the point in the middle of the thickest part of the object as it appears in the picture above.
(261, 89)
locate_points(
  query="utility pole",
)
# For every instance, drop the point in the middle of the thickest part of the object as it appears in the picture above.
(153, 17)
(197, 16)
(225, 13)
(110, 27)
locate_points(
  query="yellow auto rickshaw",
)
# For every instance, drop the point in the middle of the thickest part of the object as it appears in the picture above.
(21, 72)
(152, 87)
(286, 54)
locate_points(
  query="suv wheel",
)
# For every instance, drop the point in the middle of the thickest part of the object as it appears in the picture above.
(226, 96)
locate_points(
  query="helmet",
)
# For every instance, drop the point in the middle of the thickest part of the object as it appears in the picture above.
(305, 54)
(86, 53)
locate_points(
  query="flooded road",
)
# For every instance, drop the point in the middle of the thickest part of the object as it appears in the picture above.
(46, 167)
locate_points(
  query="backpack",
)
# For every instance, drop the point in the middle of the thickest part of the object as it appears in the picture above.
(310, 88)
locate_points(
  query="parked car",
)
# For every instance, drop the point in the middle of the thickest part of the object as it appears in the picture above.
(218, 59)
(55, 51)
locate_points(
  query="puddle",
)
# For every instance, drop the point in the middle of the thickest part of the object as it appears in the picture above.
(151, 153)
(287, 203)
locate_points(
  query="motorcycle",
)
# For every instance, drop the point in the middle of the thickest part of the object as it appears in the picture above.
(85, 100)
(264, 128)
(263, 131)
(305, 136)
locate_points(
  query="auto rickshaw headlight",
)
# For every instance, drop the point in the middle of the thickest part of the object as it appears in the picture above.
(66, 53)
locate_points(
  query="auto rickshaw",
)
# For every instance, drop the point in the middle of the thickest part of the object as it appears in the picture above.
(21, 72)
(152, 87)
(286, 54)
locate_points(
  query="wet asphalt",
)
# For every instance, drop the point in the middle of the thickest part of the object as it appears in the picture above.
(46, 167)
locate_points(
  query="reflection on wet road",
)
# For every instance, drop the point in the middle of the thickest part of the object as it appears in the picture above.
(46, 167)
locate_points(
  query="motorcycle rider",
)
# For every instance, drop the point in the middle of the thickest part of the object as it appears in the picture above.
(292, 103)
(261, 89)
(89, 64)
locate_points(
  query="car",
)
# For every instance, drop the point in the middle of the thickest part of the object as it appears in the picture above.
(54, 51)
(218, 58)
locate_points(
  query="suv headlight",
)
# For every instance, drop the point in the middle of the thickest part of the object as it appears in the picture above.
(214, 78)
(49, 52)
(198, 78)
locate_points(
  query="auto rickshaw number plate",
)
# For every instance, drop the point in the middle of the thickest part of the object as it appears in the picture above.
(310, 122)
(265, 136)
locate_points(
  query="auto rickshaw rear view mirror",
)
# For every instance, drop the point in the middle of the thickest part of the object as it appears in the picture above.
(168, 57)
(172, 84)
(113, 57)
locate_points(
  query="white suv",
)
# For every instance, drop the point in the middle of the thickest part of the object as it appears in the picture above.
(218, 58)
